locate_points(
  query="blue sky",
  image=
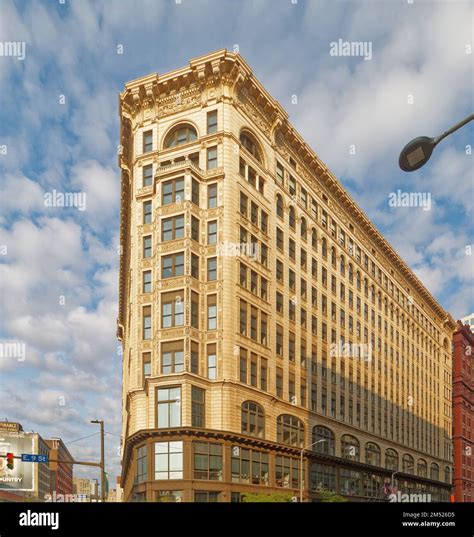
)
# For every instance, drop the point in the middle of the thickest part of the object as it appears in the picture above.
(58, 278)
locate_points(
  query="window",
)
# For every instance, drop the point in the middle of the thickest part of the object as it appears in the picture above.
(194, 228)
(290, 430)
(172, 228)
(279, 382)
(172, 309)
(323, 476)
(279, 302)
(212, 269)
(211, 362)
(263, 221)
(253, 419)
(279, 207)
(147, 246)
(212, 122)
(207, 458)
(173, 191)
(197, 406)
(147, 141)
(179, 135)
(372, 454)
(254, 213)
(195, 192)
(168, 460)
(194, 357)
(212, 196)
(212, 232)
(391, 459)
(207, 496)
(147, 175)
(434, 471)
(169, 407)
(195, 266)
(263, 374)
(422, 468)
(211, 312)
(147, 281)
(408, 464)
(140, 475)
(292, 218)
(279, 340)
(211, 158)
(263, 288)
(349, 447)
(250, 144)
(287, 472)
(324, 440)
(172, 265)
(249, 466)
(147, 322)
(172, 357)
(147, 212)
(194, 310)
(243, 204)
(146, 358)
(292, 185)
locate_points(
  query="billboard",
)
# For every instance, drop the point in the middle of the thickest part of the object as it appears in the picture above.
(21, 477)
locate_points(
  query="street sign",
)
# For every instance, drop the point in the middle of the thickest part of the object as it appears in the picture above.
(33, 457)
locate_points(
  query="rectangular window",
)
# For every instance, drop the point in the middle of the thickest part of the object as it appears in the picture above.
(147, 175)
(147, 246)
(172, 265)
(172, 357)
(207, 461)
(291, 249)
(212, 232)
(243, 275)
(292, 185)
(211, 362)
(212, 312)
(146, 357)
(195, 266)
(253, 282)
(253, 323)
(194, 357)
(253, 369)
(291, 347)
(147, 212)
(140, 476)
(212, 122)
(249, 466)
(263, 329)
(212, 269)
(254, 213)
(197, 406)
(194, 228)
(263, 288)
(263, 255)
(173, 191)
(147, 281)
(279, 270)
(172, 309)
(279, 302)
(279, 173)
(169, 460)
(207, 496)
(243, 204)
(172, 228)
(263, 221)
(243, 365)
(169, 407)
(212, 196)
(243, 318)
(147, 141)
(279, 340)
(147, 322)
(194, 310)
(211, 158)
(279, 382)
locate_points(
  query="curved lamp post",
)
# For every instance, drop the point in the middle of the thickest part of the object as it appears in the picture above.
(417, 152)
(301, 463)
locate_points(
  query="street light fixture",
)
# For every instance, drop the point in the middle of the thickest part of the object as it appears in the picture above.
(418, 151)
(301, 463)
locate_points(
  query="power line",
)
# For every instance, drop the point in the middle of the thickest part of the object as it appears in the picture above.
(83, 438)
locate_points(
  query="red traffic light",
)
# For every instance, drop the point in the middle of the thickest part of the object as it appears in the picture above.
(10, 461)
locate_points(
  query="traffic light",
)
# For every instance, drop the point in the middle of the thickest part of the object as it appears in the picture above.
(10, 461)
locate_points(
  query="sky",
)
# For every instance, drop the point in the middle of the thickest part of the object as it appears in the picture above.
(59, 131)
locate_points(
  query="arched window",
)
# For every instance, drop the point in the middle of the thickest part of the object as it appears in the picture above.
(372, 454)
(279, 206)
(251, 145)
(342, 266)
(325, 441)
(447, 474)
(314, 239)
(179, 135)
(324, 248)
(253, 419)
(391, 459)
(333, 257)
(350, 448)
(408, 464)
(350, 272)
(434, 471)
(303, 228)
(422, 468)
(290, 430)
(292, 218)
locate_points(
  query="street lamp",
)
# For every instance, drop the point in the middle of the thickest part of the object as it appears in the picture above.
(418, 151)
(399, 472)
(301, 463)
(102, 459)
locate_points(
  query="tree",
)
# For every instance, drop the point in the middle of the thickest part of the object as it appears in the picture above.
(328, 496)
(249, 497)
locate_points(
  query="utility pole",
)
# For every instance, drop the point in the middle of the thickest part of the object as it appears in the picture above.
(102, 459)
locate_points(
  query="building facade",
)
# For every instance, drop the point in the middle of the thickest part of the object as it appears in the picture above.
(260, 311)
(87, 488)
(61, 473)
(463, 414)
(469, 320)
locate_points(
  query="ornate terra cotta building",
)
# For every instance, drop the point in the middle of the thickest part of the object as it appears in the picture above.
(463, 414)
(261, 312)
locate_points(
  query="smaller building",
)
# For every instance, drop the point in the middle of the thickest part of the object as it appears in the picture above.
(463, 413)
(61, 473)
(115, 494)
(86, 487)
(469, 320)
